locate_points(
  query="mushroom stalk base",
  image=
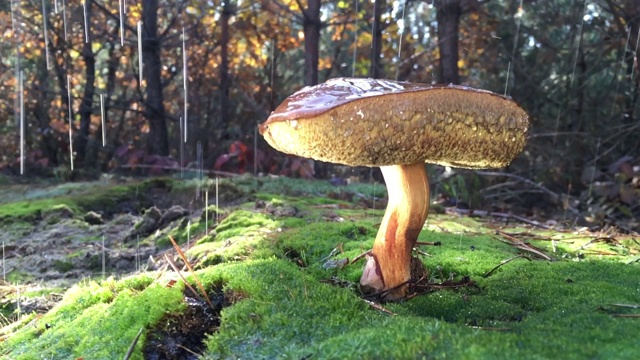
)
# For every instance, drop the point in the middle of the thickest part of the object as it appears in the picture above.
(389, 265)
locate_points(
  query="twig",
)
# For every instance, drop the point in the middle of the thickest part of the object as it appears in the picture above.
(175, 268)
(378, 307)
(630, 306)
(420, 252)
(429, 243)
(522, 245)
(189, 350)
(490, 328)
(503, 262)
(632, 261)
(627, 315)
(357, 258)
(604, 238)
(133, 345)
(186, 262)
(482, 213)
(553, 195)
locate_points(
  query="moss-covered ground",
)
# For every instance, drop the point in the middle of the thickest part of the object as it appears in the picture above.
(271, 249)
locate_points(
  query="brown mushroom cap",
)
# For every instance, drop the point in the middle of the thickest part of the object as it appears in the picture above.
(368, 122)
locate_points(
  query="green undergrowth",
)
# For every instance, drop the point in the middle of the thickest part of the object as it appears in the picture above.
(273, 253)
(105, 198)
(96, 320)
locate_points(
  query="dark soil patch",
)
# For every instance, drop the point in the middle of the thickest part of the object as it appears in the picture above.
(181, 336)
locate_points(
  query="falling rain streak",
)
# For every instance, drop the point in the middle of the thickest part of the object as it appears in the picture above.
(86, 23)
(185, 81)
(121, 11)
(506, 83)
(140, 50)
(206, 211)
(102, 116)
(22, 133)
(575, 59)
(64, 19)
(400, 36)
(626, 48)
(518, 16)
(217, 194)
(181, 148)
(13, 18)
(636, 53)
(46, 36)
(355, 43)
(199, 169)
(70, 124)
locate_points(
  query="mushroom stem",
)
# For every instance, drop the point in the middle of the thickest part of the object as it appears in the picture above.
(389, 265)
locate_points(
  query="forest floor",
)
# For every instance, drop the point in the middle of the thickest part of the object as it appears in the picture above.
(89, 272)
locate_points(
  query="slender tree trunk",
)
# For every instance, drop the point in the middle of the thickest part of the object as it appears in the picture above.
(273, 73)
(47, 141)
(86, 106)
(448, 16)
(158, 137)
(311, 25)
(112, 67)
(376, 43)
(227, 12)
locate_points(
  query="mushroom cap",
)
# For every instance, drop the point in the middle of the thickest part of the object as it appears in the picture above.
(369, 122)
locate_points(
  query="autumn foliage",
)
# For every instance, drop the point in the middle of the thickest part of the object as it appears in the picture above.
(213, 70)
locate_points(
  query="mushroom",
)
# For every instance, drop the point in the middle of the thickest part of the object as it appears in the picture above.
(398, 126)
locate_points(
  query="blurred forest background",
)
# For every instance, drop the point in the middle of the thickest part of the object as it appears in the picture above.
(216, 69)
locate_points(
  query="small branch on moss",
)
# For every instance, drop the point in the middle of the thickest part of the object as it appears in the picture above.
(429, 243)
(633, 261)
(337, 250)
(186, 262)
(189, 351)
(503, 262)
(606, 239)
(627, 315)
(490, 328)
(629, 306)
(175, 268)
(420, 252)
(357, 258)
(522, 245)
(378, 307)
(133, 345)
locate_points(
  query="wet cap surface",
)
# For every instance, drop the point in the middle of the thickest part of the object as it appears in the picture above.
(366, 122)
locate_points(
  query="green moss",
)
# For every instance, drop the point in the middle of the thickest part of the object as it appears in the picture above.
(62, 266)
(528, 312)
(287, 308)
(243, 222)
(16, 277)
(97, 320)
(106, 198)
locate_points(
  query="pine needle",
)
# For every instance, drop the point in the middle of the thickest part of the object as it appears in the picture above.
(186, 262)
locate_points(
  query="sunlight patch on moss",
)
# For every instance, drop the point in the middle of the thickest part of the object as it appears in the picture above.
(97, 320)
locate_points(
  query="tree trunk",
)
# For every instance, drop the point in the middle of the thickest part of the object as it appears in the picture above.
(158, 137)
(112, 67)
(376, 43)
(448, 16)
(227, 12)
(311, 25)
(47, 143)
(86, 106)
